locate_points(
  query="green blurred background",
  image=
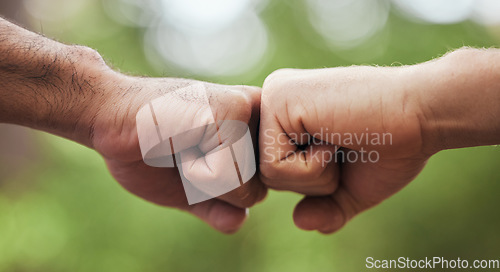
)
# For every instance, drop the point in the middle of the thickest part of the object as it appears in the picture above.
(60, 210)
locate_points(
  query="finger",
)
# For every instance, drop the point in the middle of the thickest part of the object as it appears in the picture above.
(230, 102)
(163, 186)
(254, 94)
(284, 166)
(213, 174)
(222, 216)
(363, 185)
(274, 143)
(326, 214)
(324, 184)
(251, 191)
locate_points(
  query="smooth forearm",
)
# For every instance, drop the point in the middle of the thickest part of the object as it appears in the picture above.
(47, 85)
(460, 99)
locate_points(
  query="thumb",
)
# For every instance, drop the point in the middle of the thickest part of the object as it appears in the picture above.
(220, 215)
(362, 186)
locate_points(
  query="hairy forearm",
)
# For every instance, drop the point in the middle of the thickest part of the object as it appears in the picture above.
(48, 85)
(460, 99)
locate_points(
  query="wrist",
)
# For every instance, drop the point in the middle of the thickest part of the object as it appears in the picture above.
(89, 85)
(60, 93)
(458, 96)
(50, 86)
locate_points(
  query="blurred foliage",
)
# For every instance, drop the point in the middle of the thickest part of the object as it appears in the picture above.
(72, 216)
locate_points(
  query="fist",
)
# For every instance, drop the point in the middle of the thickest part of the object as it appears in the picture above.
(347, 138)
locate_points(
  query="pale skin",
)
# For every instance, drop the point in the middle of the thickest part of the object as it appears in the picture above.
(451, 102)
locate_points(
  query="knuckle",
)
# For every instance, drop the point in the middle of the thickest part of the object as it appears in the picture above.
(243, 105)
(275, 77)
(278, 85)
(232, 104)
(248, 89)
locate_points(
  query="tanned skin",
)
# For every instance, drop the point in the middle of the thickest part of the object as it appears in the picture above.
(69, 91)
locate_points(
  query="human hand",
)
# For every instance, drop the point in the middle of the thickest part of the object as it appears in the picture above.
(307, 114)
(69, 91)
(115, 137)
